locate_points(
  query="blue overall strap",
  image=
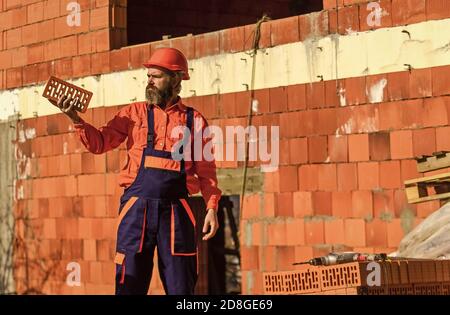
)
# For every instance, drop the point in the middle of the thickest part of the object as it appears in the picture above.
(189, 123)
(151, 126)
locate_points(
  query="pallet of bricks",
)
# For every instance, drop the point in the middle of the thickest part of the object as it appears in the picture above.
(397, 277)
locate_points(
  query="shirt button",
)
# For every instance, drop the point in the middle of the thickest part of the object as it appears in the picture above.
(161, 144)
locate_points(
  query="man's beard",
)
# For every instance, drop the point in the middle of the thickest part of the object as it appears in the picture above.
(158, 97)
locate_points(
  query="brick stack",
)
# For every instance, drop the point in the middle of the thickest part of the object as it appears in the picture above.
(400, 277)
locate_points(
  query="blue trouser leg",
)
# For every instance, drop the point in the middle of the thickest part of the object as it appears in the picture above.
(178, 272)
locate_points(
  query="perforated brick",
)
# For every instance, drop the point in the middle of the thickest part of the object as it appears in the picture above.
(295, 282)
(55, 88)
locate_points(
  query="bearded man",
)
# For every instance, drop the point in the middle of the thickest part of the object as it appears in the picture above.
(154, 209)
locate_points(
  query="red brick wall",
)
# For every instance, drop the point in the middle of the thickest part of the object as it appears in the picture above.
(33, 33)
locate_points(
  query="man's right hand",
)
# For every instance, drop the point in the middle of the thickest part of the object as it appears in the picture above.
(66, 105)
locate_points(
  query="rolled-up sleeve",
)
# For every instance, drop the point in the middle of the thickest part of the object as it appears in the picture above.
(107, 137)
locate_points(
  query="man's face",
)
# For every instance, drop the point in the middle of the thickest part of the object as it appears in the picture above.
(159, 88)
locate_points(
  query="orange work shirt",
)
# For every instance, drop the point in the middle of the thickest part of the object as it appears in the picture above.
(131, 123)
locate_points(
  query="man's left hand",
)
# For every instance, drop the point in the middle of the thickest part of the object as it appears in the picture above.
(210, 221)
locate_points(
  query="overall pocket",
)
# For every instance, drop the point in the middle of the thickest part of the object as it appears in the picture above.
(183, 229)
(131, 226)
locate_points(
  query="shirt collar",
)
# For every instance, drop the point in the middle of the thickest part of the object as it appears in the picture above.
(177, 106)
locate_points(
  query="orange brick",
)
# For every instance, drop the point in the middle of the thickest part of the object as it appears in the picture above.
(313, 24)
(390, 176)
(120, 59)
(278, 99)
(81, 65)
(302, 203)
(288, 178)
(100, 63)
(424, 209)
(348, 18)
(285, 258)
(99, 18)
(395, 232)
(284, 205)
(13, 78)
(268, 261)
(35, 12)
(358, 147)
(362, 204)
(207, 44)
(91, 184)
(347, 176)
(355, 232)
(334, 231)
(279, 33)
(295, 232)
(13, 38)
(259, 231)
(424, 141)
(341, 202)
(231, 40)
(314, 232)
(379, 146)
(249, 257)
(303, 253)
(420, 83)
(315, 95)
(101, 40)
(30, 34)
(437, 9)
(251, 206)
(376, 233)
(35, 53)
(401, 144)
(383, 204)
(442, 139)
(51, 9)
(139, 54)
(408, 11)
(308, 177)
(401, 203)
(296, 96)
(298, 151)
(322, 203)
(69, 46)
(317, 149)
(276, 233)
(398, 85)
(338, 148)
(368, 175)
(327, 177)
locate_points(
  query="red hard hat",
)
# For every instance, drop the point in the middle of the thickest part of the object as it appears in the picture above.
(171, 59)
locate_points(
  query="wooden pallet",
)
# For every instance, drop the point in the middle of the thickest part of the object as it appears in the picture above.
(427, 163)
(55, 88)
(421, 189)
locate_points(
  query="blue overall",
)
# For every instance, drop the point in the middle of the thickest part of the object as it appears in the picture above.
(154, 212)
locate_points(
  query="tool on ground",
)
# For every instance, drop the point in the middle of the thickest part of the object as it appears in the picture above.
(342, 258)
(55, 88)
